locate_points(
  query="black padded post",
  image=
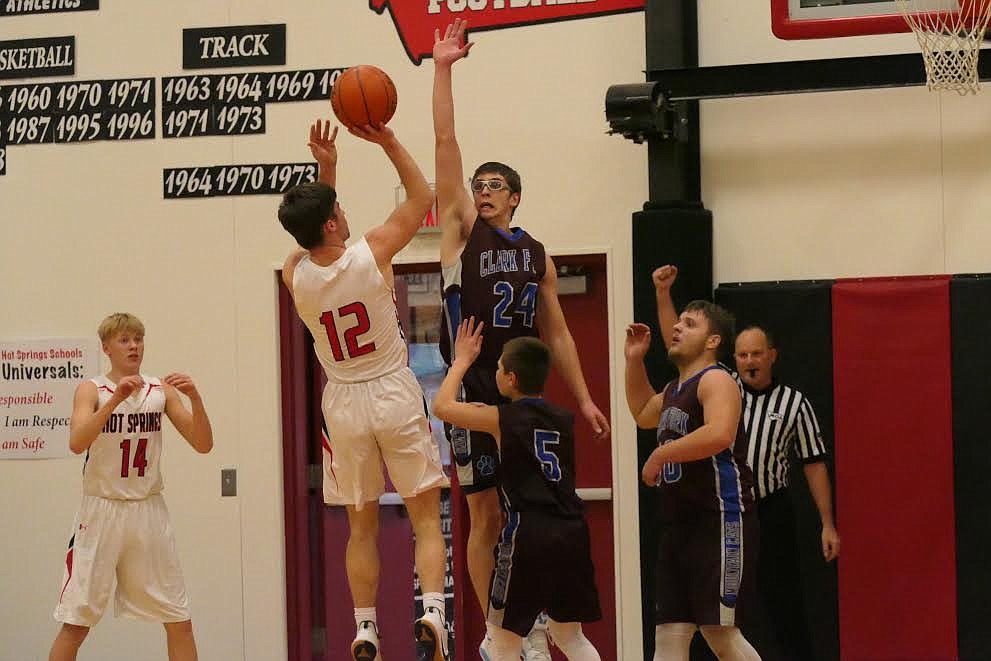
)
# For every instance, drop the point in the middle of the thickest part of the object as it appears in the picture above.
(970, 301)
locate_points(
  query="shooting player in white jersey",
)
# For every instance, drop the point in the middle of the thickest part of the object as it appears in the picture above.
(373, 406)
(122, 529)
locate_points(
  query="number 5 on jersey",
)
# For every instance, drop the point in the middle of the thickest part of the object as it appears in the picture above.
(549, 461)
(350, 335)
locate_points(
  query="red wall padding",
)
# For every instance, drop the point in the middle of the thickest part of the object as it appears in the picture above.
(894, 469)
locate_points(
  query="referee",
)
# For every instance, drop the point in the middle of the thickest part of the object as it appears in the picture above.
(778, 419)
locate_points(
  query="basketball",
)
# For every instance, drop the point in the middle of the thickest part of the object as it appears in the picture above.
(363, 95)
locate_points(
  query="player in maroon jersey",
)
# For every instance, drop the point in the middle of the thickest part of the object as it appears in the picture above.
(707, 556)
(502, 276)
(544, 557)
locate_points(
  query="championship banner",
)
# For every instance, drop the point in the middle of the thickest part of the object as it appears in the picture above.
(38, 379)
(416, 21)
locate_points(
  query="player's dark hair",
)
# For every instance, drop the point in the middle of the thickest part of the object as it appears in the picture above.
(511, 176)
(304, 210)
(721, 323)
(530, 360)
(763, 329)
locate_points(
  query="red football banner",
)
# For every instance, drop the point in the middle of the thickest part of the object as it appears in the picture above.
(416, 20)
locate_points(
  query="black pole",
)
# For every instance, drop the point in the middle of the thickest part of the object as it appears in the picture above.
(673, 228)
(672, 43)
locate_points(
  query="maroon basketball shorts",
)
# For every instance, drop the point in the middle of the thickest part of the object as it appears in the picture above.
(543, 564)
(707, 569)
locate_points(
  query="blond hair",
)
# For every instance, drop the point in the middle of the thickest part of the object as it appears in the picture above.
(119, 322)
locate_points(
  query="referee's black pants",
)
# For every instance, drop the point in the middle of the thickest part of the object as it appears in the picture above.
(779, 631)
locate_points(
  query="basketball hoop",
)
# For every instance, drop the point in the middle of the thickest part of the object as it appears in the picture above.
(950, 33)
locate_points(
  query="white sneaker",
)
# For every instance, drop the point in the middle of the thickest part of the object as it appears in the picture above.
(483, 649)
(431, 636)
(536, 646)
(365, 646)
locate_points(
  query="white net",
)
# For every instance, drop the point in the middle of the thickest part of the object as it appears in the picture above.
(950, 33)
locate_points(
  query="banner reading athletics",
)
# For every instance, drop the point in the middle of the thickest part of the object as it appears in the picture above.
(37, 381)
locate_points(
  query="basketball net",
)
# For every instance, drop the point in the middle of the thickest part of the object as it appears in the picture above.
(950, 33)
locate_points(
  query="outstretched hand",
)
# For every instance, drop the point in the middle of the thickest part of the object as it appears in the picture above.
(322, 143)
(637, 341)
(452, 47)
(380, 134)
(468, 344)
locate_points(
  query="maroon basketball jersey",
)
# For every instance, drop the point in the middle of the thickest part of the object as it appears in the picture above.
(496, 281)
(538, 458)
(720, 483)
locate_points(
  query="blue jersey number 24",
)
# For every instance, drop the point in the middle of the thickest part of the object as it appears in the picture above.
(502, 315)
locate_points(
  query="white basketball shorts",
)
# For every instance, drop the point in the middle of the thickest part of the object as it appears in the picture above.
(368, 423)
(131, 541)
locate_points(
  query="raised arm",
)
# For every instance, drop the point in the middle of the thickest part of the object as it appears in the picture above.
(402, 224)
(194, 427)
(667, 316)
(455, 208)
(323, 146)
(88, 419)
(477, 417)
(564, 353)
(719, 395)
(643, 401)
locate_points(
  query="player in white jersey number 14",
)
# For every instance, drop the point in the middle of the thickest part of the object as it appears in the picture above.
(122, 531)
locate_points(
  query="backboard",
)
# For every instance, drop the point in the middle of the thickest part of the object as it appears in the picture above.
(823, 19)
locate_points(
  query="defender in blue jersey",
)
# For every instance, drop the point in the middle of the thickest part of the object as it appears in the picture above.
(543, 560)
(708, 551)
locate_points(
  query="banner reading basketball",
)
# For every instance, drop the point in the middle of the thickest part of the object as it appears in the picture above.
(37, 381)
(416, 21)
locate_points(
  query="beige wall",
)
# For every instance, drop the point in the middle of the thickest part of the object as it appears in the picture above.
(843, 184)
(86, 233)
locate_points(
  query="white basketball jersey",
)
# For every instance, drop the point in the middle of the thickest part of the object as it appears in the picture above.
(123, 462)
(351, 312)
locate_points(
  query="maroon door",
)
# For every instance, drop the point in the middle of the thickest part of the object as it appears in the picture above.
(319, 608)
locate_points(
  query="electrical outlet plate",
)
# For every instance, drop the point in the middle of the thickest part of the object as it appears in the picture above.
(228, 482)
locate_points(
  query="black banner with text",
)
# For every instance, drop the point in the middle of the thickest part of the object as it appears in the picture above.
(21, 7)
(234, 46)
(37, 58)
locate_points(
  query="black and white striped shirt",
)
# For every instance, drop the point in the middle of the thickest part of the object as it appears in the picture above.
(775, 420)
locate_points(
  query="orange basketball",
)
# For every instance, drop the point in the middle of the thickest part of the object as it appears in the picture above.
(363, 95)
